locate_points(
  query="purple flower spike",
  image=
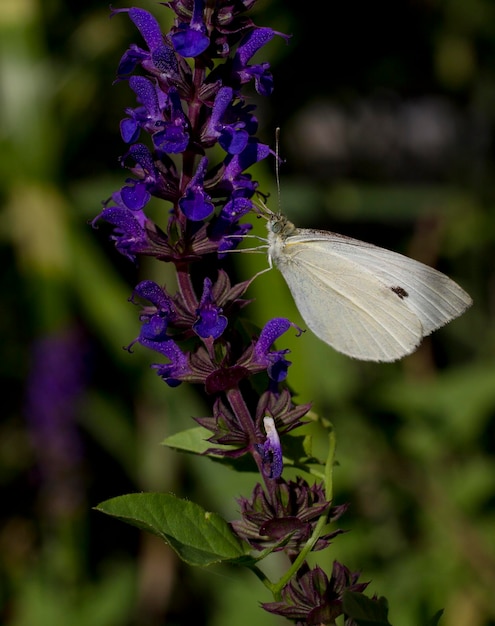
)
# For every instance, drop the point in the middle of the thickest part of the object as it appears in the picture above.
(191, 138)
(210, 323)
(271, 450)
(196, 203)
(190, 40)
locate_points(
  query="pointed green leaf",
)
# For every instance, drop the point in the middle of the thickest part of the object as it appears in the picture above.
(191, 440)
(199, 537)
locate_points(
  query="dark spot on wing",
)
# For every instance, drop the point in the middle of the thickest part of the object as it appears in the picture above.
(400, 291)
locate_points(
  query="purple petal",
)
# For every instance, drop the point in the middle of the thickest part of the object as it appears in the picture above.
(164, 59)
(148, 27)
(255, 40)
(172, 139)
(135, 196)
(149, 290)
(189, 42)
(272, 450)
(211, 322)
(129, 130)
(270, 333)
(196, 203)
(145, 91)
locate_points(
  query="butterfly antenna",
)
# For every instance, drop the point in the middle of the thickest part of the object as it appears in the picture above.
(260, 203)
(277, 166)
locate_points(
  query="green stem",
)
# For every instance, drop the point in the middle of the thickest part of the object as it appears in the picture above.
(264, 579)
(322, 521)
(329, 465)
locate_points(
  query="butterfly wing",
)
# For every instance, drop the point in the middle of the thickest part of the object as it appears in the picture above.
(434, 297)
(367, 302)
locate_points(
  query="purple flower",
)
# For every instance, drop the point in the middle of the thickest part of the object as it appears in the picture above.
(156, 320)
(234, 180)
(130, 233)
(210, 322)
(157, 317)
(196, 203)
(152, 292)
(165, 61)
(178, 369)
(146, 24)
(271, 450)
(216, 114)
(173, 137)
(160, 60)
(251, 43)
(275, 361)
(151, 33)
(136, 194)
(223, 126)
(225, 229)
(146, 116)
(190, 40)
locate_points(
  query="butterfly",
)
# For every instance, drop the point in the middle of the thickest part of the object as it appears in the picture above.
(365, 301)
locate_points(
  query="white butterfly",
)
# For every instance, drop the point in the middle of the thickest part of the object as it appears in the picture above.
(367, 302)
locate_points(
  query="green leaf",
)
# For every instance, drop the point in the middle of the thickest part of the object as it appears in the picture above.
(192, 440)
(364, 611)
(197, 536)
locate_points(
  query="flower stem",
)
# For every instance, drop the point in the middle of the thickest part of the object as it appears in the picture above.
(322, 521)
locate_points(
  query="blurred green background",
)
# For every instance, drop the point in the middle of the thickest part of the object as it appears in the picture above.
(387, 113)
